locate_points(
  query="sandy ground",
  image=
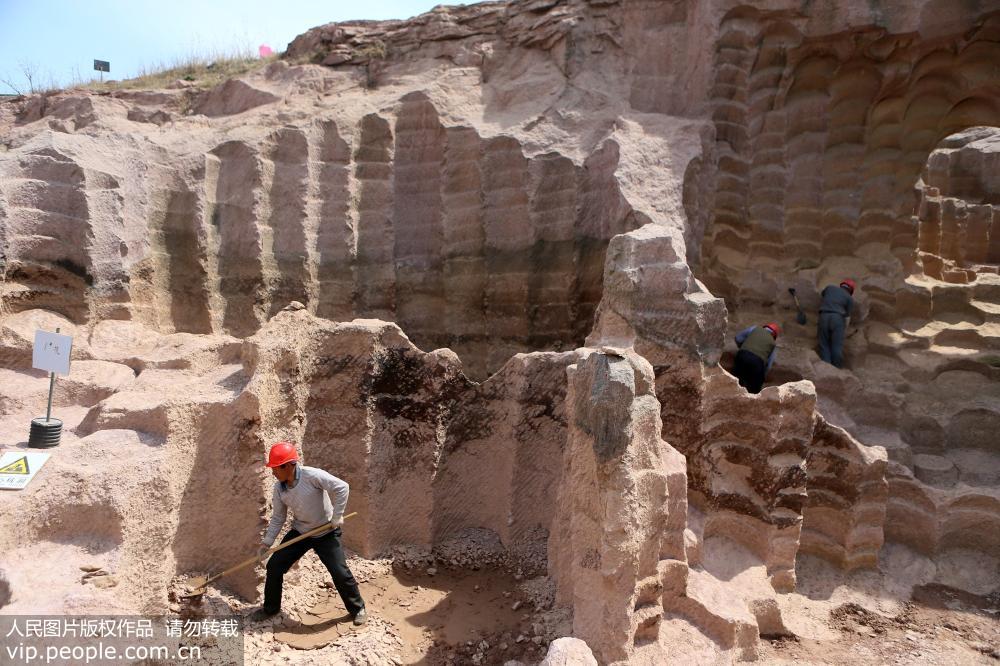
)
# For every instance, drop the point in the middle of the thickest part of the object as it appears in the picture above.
(50, 580)
(925, 632)
(889, 616)
(430, 616)
(436, 619)
(896, 615)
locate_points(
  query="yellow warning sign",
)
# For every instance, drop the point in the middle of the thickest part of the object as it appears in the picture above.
(19, 466)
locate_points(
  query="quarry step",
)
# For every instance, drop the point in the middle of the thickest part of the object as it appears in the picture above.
(720, 613)
(990, 311)
(976, 467)
(889, 339)
(890, 440)
(935, 470)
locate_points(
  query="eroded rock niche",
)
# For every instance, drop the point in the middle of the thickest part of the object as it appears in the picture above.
(429, 452)
(575, 478)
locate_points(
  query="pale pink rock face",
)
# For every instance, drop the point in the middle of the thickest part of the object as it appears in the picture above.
(485, 265)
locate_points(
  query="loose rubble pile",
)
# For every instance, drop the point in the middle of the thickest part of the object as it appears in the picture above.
(484, 265)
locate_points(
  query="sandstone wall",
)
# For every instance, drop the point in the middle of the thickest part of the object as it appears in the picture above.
(820, 140)
(464, 241)
(746, 458)
(933, 514)
(959, 208)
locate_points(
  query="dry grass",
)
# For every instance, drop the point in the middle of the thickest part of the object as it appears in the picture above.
(202, 71)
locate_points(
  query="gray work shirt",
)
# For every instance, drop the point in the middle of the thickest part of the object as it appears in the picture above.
(316, 498)
(836, 300)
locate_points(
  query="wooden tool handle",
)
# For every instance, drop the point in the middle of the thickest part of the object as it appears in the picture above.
(310, 533)
(257, 558)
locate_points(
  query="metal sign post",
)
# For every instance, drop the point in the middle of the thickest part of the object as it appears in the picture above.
(102, 66)
(52, 385)
(52, 353)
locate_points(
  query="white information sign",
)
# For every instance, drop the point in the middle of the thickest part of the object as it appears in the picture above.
(52, 352)
(17, 468)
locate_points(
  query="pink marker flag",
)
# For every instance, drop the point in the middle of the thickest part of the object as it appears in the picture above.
(265, 51)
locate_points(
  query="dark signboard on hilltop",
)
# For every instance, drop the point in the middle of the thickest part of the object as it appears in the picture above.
(102, 66)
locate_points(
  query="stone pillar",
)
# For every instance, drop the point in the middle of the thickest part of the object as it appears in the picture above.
(615, 504)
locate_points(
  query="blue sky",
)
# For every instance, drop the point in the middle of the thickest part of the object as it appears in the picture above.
(59, 39)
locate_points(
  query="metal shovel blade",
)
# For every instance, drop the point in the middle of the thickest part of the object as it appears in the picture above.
(195, 587)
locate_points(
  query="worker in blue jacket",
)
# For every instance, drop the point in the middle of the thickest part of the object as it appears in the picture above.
(834, 313)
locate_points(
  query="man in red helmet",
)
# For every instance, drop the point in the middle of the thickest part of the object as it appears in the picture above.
(316, 498)
(756, 355)
(834, 311)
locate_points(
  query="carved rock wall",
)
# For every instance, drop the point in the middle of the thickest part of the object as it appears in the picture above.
(819, 143)
(464, 241)
(746, 458)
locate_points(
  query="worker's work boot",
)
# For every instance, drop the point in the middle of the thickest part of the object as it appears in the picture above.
(260, 615)
(360, 618)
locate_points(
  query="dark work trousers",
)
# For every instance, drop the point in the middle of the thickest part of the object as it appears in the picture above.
(330, 553)
(831, 338)
(750, 370)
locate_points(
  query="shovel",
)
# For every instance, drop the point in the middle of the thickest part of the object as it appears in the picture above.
(800, 316)
(197, 586)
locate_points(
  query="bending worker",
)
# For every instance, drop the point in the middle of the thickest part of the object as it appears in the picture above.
(756, 355)
(315, 497)
(834, 311)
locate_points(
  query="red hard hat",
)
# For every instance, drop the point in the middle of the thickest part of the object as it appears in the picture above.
(281, 453)
(774, 328)
(849, 283)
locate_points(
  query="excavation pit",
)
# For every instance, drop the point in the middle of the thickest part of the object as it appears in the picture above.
(440, 618)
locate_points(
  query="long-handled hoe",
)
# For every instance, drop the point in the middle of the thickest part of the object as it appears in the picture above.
(800, 316)
(197, 586)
